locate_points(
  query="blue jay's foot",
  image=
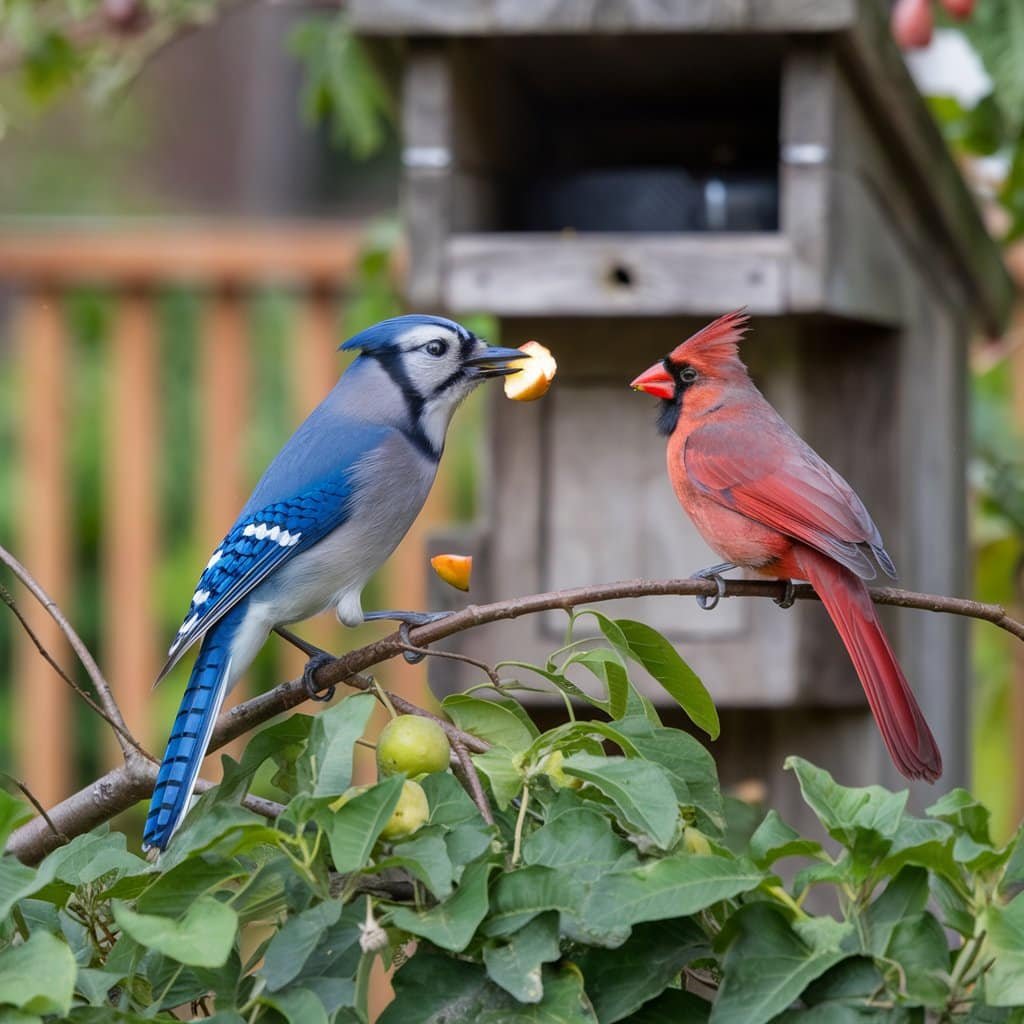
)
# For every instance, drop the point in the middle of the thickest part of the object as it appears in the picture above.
(408, 620)
(713, 572)
(788, 595)
(317, 659)
(312, 666)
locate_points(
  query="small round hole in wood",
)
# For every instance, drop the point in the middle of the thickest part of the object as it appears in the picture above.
(620, 276)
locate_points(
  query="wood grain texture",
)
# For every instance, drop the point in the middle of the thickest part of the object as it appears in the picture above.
(621, 275)
(41, 729)
(494, 17)
(131, 646)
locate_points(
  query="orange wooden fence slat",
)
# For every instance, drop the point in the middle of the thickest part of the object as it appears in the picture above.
(131, 514)
(224, 374)
(43, 738)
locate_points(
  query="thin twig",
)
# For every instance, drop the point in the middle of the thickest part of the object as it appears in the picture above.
(103, 691)
(472, 781)
(7, 599)
(119, 789)
(33, 800)
(451, 655)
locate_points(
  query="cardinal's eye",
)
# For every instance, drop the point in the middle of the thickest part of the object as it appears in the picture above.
(436, 347)
(688, 375)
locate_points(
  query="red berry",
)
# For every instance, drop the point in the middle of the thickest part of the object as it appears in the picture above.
(912, 23)
(959, 9)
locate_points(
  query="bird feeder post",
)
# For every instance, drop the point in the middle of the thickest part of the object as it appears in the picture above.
(608, 176)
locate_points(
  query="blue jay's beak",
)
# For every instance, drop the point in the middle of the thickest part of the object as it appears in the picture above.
(493, 362)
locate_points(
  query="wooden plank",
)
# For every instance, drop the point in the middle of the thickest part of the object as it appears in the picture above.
(616, 274)
(181, 251)
(130, 538)
(513, 17)
(42, 730)
(881, 80)
(223, 396)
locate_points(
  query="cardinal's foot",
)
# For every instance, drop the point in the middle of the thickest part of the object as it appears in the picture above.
(714, 573)
(788, 595)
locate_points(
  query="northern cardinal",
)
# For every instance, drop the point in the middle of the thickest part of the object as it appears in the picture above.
(765, 501)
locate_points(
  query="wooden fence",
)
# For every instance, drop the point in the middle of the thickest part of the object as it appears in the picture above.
(135, 267)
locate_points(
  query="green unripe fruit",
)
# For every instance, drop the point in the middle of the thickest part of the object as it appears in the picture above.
(551, 766)
(413, 745)
(410, 813)
(694, 841)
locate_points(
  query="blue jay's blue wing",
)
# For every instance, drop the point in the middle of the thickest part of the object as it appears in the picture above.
(257, 545)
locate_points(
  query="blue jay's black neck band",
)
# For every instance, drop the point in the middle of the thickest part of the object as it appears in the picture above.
(391, 361)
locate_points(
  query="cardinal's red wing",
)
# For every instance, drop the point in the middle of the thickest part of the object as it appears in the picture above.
(766, 472)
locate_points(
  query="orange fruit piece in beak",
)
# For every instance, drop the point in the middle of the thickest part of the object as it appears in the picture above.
(455, 570)
(536, 372)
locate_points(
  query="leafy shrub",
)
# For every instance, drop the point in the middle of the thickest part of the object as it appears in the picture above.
(617, 884)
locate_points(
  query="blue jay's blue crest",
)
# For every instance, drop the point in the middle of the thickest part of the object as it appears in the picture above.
(388, 332)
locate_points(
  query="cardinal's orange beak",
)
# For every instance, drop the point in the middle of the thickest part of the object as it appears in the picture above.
(657, 381)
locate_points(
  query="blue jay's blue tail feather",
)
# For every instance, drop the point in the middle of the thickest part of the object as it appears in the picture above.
(190, 735)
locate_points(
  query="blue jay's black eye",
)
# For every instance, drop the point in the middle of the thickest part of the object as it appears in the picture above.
(437, 347)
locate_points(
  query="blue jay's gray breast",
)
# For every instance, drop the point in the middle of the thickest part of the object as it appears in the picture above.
(390, 484)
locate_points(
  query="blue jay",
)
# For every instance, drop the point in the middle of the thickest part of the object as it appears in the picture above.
(326, 514)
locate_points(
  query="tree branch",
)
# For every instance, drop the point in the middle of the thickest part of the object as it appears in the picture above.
(130, 747)
(119, 789)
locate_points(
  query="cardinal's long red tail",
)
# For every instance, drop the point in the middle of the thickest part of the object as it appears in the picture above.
(900, 719)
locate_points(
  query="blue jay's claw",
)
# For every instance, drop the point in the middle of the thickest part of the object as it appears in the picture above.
(413, 657)
(713, 572)
(788, 596)
(312, 666)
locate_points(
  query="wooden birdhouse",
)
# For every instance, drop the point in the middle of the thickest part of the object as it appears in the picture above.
(606, 177)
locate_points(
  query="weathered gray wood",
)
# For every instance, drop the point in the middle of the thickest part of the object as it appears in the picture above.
(611, 274)
(427, 154)
(496, 17)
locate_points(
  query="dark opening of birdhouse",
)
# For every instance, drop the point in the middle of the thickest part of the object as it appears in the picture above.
(631, 134)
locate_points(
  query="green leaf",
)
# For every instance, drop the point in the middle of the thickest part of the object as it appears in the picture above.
(863, 819)
(619, 981)
(174, 891)
(996, 31)
(515, 964)
(297, 1006)
(580, 841)
(676, 886)
(1004, 982)
(17, 881)
(919, 946)
(640, 790)
(774, 839)
(426, 856)
(432, 988)
(610, 669)
(905, 896)
(204, 937)
(690, 767)
(826, 934)
(673, 1007)
(564, 1002)
(326, 770)
(449, 803)
(353, 829)
(453, 923)
(489, 720)
(13, 813)
(926, 843)
(520, 895)
(660, 658)
(499, 768)
(38, 976)
(767, 966)
(291, 946)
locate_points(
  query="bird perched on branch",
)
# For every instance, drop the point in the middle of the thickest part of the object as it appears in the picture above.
(765, 501)
(326, 514)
